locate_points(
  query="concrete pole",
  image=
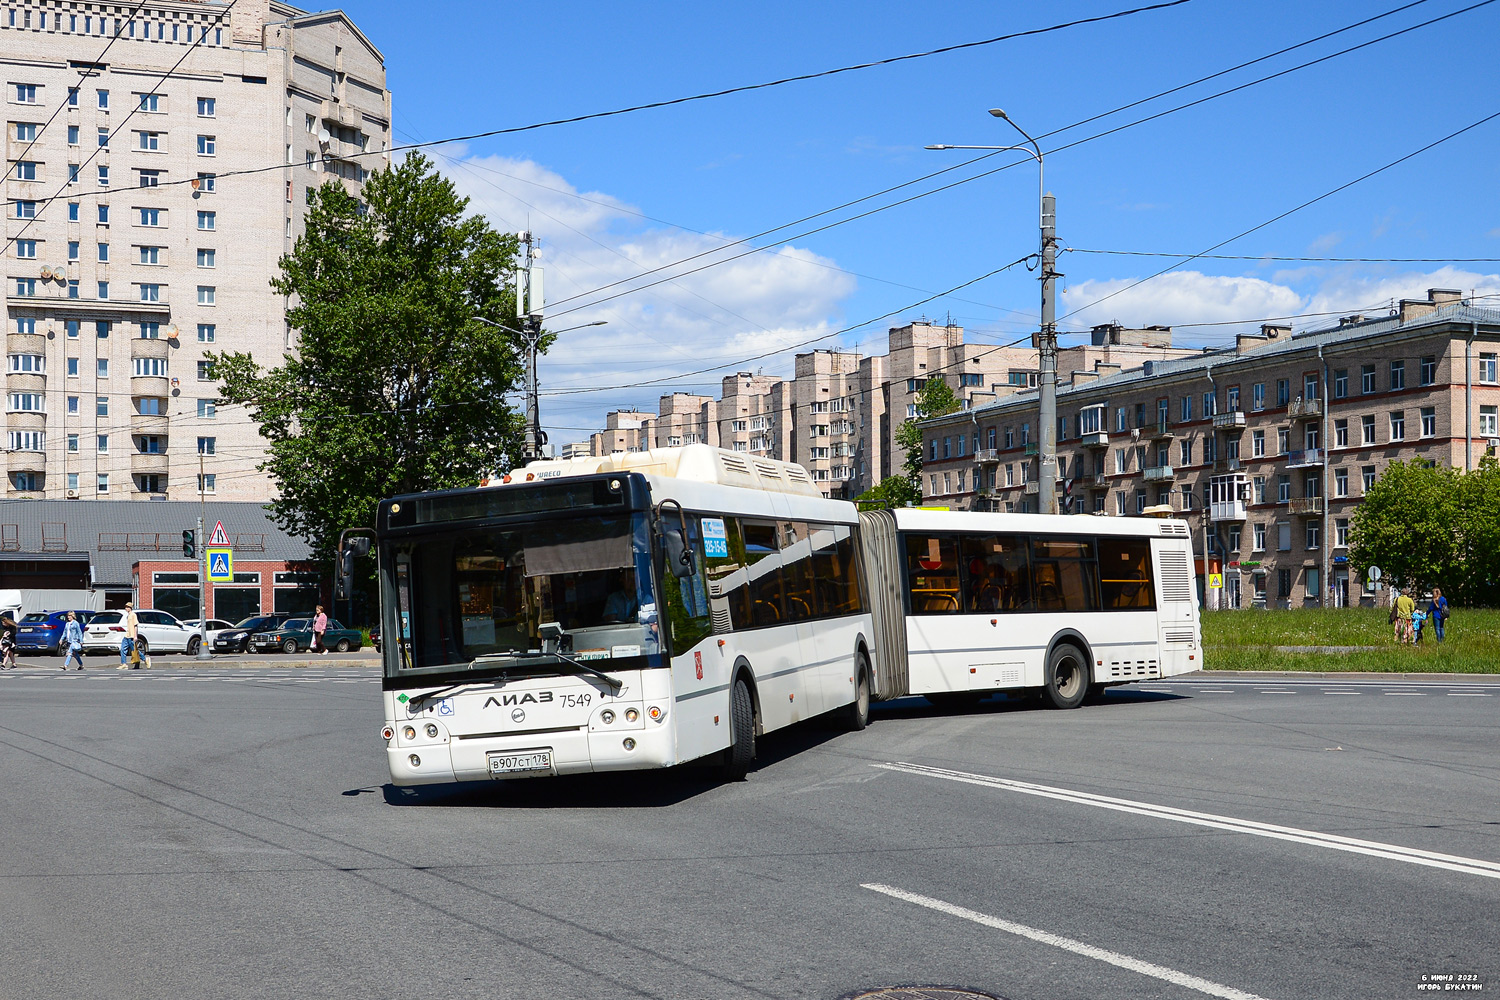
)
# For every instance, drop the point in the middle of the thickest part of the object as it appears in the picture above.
(1047, 374)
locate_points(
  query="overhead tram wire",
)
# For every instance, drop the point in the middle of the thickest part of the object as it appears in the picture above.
(116, 131)
(1293, 260)
(1271, 221)
(1069, 145)
(88, 71)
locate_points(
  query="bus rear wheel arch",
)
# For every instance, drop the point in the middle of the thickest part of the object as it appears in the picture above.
(857, 713)
(1068, 677)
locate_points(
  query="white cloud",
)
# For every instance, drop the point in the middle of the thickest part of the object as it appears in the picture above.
(716, 316)
(1178, 298)
(1349, 291)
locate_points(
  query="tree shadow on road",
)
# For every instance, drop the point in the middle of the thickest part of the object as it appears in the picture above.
(652, 789)
(1004, 703)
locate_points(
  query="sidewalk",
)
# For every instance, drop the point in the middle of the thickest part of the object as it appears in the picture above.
(366, 657)
(1333, 675)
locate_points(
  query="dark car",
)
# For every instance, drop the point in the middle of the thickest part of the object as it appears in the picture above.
(237, 639)
(296, 634)
(375, 637)
(42, 631)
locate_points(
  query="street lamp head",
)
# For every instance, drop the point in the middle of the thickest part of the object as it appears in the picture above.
(937, 146)
(996, 112)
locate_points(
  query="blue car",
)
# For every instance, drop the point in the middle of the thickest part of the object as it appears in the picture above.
(42, 631)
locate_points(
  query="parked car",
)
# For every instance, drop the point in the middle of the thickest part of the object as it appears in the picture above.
(215, 626)
(159, 632)
(237, 638)
(375, 637)
(42, 631)
(296, 634)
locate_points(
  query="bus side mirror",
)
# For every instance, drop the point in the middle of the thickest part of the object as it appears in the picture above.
(679, 556)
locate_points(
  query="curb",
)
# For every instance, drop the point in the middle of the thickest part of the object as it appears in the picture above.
(1345, 674)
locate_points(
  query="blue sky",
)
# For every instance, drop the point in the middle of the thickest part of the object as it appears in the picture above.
(612, 197)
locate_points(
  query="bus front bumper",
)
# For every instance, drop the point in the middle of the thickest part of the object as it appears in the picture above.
(575, 752)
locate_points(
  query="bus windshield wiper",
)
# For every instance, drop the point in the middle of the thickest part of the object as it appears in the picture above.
(424, 696)
(614, 683)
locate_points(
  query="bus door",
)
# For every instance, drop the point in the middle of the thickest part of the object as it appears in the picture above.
(1178, 613)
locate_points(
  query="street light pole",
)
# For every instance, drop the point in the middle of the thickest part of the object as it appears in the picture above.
(1046, 341)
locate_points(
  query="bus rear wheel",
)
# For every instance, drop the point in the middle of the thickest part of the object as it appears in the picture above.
(857, 714)
(1067, 678)
(741, 753)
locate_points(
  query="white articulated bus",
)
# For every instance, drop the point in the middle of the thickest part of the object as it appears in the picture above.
(637, 611)
(969, 603)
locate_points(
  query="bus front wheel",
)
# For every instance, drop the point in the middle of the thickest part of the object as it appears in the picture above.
(1067, 678)
(857, 715)
(741, 753)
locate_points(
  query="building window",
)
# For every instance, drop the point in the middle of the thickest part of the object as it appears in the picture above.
(150, 330)
(1185, 452)
(103, 138)
(101, 483)
(1312, 534)
(206, 107)
(103, 95)
(71, 326)
(207, 182)
(25, 170)
(25, 286)
(1341, 383)
(1398, 425)
(149, 141)
(149, 255)
(205, 371)
(1341, 533)
(73, 135)
(207, 220)
(1309, 387)
(1367, 429)
(207, 408)
(156, 367)
(1489, 421)
(207, 258)
(1367, 478)
(103, 215)
(1429, 370)
(26, 249)
(207, 482)
(150, 293)
(1283, 489)
(206, 333)
(102, 446)
(207, 145)
(1341, 433)
(149, 406)
(1367, 379)
(206, 445)
(1398, 375)
(28, 363)
(1283, 435)
(101, 406)
(72, 404)
(73, 443)
(25, 209)
(1260, 537)
(1429, 421)
(206, 295)
(1489, 368)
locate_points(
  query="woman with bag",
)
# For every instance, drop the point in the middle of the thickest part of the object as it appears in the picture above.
(8, 632)
(72, 641)
(320, 625)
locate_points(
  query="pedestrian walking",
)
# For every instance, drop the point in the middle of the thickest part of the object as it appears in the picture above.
(72, 641)
(131, 655)
(1437, 612)
(320, 626)
(1402, 608)
(8, 632)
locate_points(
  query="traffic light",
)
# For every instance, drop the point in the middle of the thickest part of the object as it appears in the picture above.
(190, 544)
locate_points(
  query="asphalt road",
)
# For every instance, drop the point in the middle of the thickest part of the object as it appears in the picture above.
(228, 832)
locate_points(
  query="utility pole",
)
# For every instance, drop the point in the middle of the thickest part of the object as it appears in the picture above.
(529, 304)
(203, 651)
(1046, 490)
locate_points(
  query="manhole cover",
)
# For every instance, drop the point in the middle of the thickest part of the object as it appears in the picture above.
(920, 993)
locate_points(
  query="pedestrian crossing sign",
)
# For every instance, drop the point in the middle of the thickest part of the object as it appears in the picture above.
(220, 565)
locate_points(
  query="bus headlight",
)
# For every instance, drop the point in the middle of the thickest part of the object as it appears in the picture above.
(631, 715)
(606, 716)
(629, 743)
(415, 760)
(409, 732)
(656, 713)
(432, 731)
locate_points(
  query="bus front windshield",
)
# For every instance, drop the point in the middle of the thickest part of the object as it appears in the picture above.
(485, 591)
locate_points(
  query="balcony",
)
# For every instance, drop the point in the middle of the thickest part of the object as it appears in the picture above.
(25, 343)
(149, 385)
(1303, 409)
(1031, 488)
(1158, 431)
(143, 347)
(142, 463)
(26, 420)
(1227, 465)
(1229, 420)
(26, 461)
(25, 382)
(984, 455)
(55, 299)
(148, 423)
(1031, 449)
(1309, 506)
(1097, 439)
(1097, 480)
(1304, 459)
(1226, 510)
(1158, 473)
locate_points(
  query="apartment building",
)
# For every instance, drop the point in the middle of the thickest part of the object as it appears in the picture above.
(157, 250)
(685, 418)
(1267, 447)
(624, 430)
(752, 414)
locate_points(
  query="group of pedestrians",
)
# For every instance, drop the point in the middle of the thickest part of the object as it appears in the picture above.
(1408, 621)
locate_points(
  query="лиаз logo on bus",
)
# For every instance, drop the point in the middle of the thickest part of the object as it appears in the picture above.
(715, 538)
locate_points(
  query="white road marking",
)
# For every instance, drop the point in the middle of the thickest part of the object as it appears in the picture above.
(1192, 982)
(1406, 694)
(1466, 694)
(1342, 692)
(1375, 849)
(1278, 692)
(1215, 691)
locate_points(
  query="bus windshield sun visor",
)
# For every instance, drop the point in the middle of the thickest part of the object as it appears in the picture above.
(585, 546)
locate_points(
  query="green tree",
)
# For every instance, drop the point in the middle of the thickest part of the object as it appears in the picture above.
(935, 399)
(1477, 537)
(1407, 526)
(394, 387)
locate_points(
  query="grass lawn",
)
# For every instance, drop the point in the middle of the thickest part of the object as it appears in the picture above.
(1247, 640)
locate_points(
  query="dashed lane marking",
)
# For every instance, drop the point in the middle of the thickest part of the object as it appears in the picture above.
(1371, 848)
(1145, 968)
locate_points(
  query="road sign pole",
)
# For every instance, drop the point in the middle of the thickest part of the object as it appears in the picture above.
(203, 651)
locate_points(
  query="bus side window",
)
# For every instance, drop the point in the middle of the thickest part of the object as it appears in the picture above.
(763, 563)
(932, 574)
(998, 576)
(728, 582)
(835, 572)
(1065, 575)
(1125, 573)
(687, 598)
(797, 571)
